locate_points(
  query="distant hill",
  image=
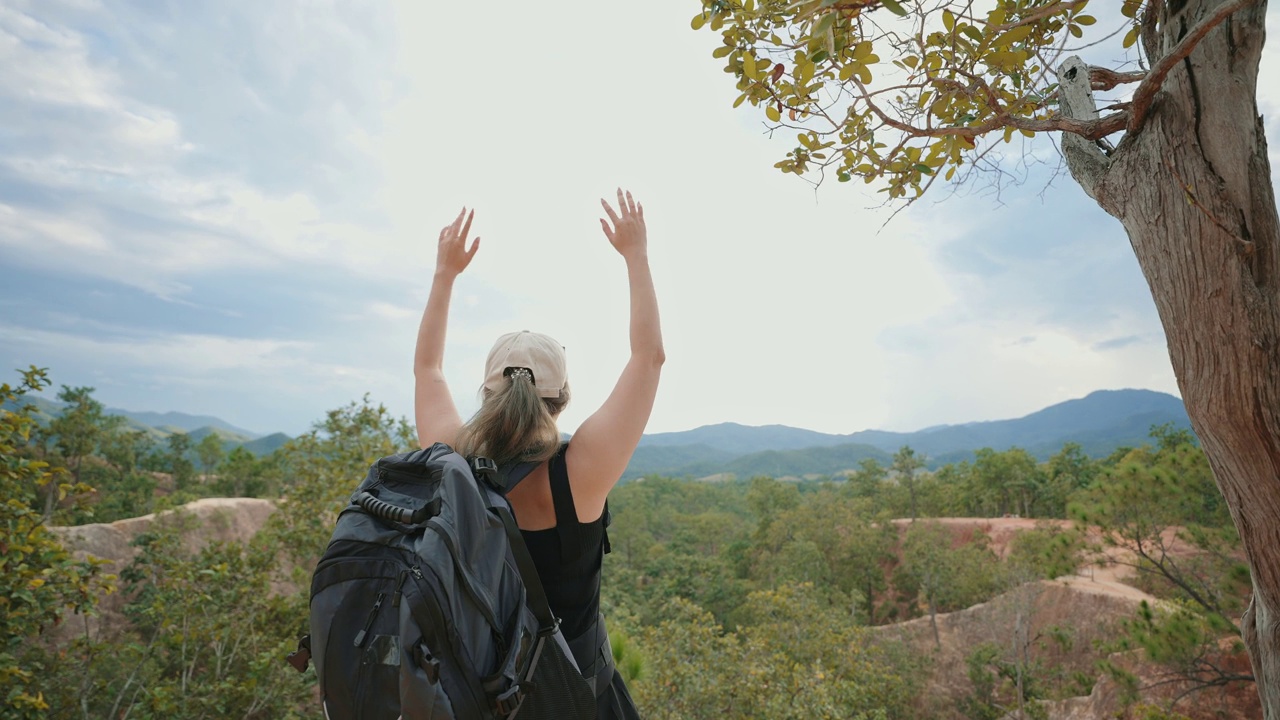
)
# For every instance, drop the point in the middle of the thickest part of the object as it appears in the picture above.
(161, 425)
(737, 439)
(1100, 422)
(183, 422)
(676, 460)
(826, 460)
(267, 444)
(47, 410)
(264, 445)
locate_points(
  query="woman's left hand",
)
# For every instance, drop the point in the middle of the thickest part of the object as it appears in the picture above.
(452, 255)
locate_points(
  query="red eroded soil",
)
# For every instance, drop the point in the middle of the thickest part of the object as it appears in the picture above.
(1091, 602)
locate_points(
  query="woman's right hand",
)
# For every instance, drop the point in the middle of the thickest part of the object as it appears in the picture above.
(452, 255)
(627, 235)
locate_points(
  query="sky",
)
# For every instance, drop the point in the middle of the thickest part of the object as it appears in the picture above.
(231, 209)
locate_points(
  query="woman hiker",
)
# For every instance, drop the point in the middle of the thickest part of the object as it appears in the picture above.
(561, 507)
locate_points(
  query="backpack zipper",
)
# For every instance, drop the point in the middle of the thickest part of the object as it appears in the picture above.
(368, 623)
(447, 649)
(478, 592)
(404, 575)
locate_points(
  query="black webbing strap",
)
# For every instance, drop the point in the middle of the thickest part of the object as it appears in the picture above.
(567, 525)
(509, 477)
(528, 571)
(594, 655)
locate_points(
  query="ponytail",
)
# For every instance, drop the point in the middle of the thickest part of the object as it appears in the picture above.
(513, 424)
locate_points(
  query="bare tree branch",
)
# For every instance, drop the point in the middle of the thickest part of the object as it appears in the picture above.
(1101, 78)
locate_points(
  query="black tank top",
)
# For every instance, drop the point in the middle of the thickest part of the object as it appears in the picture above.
(569, 555)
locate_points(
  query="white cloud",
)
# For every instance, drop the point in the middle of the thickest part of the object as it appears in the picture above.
(120, 178)
(195, 354)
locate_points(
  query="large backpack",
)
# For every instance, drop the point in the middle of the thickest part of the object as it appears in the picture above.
(427, 606)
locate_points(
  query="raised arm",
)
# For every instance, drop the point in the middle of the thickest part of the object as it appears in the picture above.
(604, 443)
(434, 412)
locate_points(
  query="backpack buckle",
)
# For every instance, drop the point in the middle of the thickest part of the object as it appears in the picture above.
(486, 470)
(302, 656)
(509, 701)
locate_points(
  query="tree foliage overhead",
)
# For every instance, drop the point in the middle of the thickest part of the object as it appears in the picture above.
(902, 92)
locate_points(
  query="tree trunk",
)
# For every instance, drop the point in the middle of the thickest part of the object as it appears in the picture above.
(1193, 190)
(933, 622)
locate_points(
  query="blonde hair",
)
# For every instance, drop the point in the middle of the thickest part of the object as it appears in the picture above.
(514, 424)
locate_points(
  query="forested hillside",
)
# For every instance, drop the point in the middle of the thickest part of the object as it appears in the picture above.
(1099, 423)
(862, 597)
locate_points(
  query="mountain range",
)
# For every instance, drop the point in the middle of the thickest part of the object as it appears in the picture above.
(159, 426)
(1100, 422)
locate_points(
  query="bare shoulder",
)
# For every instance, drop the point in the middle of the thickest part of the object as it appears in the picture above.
(589, 481)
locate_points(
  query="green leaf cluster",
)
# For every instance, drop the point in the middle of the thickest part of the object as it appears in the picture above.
(793, 658)
(40, 581)
(952, 75)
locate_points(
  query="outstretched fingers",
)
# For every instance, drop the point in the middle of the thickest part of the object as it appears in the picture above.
(466, 228)
(608, 209)
(451, 229)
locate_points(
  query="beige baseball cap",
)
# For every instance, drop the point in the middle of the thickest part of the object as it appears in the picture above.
(543, 357)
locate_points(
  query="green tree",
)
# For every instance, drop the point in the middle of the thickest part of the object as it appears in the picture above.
(1068, 471)
(1005, 483)
(943, 491)
(317, 471)
(1160, 514)
(902, 93)
(40, 581)
(1045, 553)
(905, 465)
(794, 661)
(210, 452)
(240, 474)
(206, 640)
(768, 498)
(178, 460)
(77, 433)
(945, 577)
(125, 488)
(867, 480)
(832, 541)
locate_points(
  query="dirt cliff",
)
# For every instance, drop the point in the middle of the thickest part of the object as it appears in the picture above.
(1061, 623)
(215, 520)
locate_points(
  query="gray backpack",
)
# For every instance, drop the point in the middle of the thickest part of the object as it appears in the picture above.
(427, 606)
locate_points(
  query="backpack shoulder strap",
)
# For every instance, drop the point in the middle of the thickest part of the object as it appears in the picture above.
(501, 479)
(509, 477)
(528, 571)
(494, 494)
